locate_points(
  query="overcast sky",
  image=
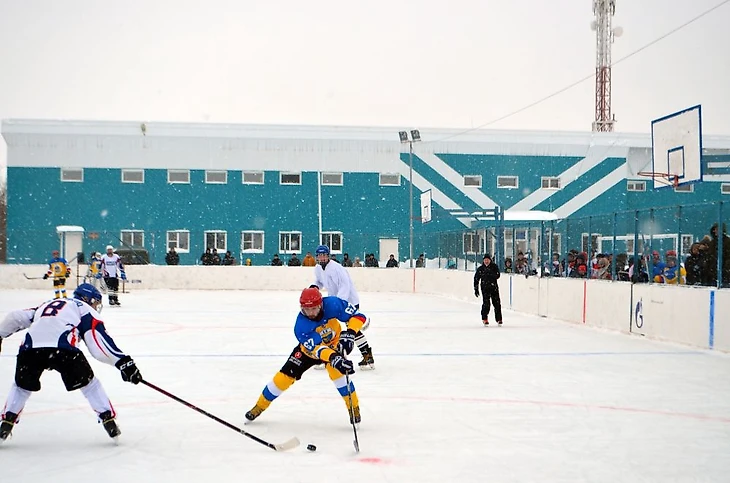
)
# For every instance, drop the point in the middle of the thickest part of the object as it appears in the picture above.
(409, 63)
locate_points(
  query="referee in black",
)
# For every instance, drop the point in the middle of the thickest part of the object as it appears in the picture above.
(486, 278)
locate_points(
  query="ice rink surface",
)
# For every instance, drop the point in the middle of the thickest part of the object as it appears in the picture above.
(533, 401)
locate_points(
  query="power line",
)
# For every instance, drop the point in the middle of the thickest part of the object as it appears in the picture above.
(588, 77)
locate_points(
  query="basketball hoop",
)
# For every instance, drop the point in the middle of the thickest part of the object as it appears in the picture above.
(666, 179)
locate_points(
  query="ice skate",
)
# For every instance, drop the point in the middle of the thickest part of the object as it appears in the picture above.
(110, 425)
(485, 322)
(6, 426)
(367, 362)
(254, 413)
(499, 322)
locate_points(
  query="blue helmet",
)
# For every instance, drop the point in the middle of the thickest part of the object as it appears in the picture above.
(88, 293)
(322, 249)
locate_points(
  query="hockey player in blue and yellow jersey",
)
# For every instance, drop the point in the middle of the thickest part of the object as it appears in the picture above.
(94, 272)
(321, 341)
(58, 269)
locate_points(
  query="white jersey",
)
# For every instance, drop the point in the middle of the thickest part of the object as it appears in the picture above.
(111, 265)
(335, 279)
(63, 323)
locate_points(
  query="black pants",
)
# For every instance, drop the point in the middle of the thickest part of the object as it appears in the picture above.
(112, 285)
(491, 292)
(298, 363)
(71, 364)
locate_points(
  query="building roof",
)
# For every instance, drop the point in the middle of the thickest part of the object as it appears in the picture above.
(131, 144)
(324, 132)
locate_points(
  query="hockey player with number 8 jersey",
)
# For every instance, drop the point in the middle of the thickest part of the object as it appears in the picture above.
(321, 340)
(54, 332)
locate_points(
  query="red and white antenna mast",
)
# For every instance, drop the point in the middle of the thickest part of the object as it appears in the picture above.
(605, 33)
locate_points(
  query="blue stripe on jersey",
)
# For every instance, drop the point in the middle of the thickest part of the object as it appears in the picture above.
(99, 331)
(87, 322)
(63, 342)
(27, 343)
(104, 340)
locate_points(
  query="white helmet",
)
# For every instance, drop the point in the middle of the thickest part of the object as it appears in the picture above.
(109, 247)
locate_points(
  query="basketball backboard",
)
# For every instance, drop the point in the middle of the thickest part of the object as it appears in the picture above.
(676, 148)
(426, 206)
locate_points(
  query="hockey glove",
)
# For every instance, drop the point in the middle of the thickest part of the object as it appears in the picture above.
(129, 370)
(476, 292)
(68, 273)
(347, 341)
(342, 364)
(98, 275)
(124, 275)
(45, 277)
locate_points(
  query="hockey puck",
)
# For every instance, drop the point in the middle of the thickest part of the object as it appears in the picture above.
(311, 447)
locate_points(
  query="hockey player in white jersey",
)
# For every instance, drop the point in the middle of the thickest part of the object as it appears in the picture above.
(55, 329)
(333, 277)
(113, 270)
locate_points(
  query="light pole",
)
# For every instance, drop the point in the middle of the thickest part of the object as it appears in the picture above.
(415, 137)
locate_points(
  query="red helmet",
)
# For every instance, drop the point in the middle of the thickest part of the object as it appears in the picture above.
(311, 297)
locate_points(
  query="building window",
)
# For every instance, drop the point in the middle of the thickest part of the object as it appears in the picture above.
(687, 241)
(473, 181)
(216, 239)
(178, 176)
(550, 183)
(333, 239)
(133, 238)
(290, 178)
(179, 240)
(526, 241)
(630, 245)
(290, 242)
(556, 239)
(72, 175)
(332, 179)
(216, 177)
(685, 188)
(594, 244)
(636, 186)
(508, 182)
(389, 179)
(133, 176)
(472, 243)
(252, 241)
(508, 242)
(253, 177)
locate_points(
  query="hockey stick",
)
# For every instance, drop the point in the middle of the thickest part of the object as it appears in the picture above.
(32, 278)
(291, 444)
(356, 443)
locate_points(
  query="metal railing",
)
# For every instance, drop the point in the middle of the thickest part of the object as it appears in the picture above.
(676, 244)
(650, 239)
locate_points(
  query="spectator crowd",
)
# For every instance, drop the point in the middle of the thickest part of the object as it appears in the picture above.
(700, 267)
